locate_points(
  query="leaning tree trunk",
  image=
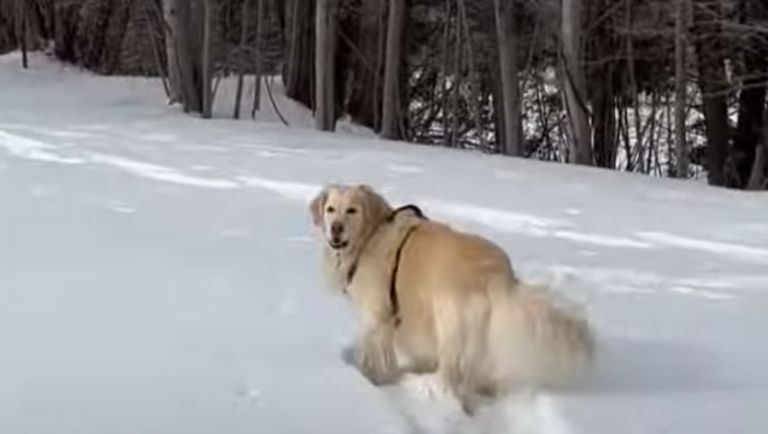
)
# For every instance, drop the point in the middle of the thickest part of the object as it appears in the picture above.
(574, 85)
(508, 67)
(390, 119)
(707, 17)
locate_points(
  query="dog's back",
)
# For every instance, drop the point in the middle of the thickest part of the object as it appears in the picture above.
(491, 332)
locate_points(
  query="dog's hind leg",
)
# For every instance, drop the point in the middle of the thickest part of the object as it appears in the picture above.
(462, 333)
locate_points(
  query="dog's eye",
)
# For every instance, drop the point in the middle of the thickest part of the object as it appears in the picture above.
(352, 211)
(330, 210)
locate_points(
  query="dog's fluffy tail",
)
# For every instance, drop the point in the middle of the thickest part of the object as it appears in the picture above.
(536, 339)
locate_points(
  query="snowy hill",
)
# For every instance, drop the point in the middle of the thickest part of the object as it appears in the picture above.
(158, 275)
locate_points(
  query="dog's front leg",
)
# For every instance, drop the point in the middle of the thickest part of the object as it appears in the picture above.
(376, 357)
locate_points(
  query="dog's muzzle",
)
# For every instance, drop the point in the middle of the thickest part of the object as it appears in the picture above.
(338, 244)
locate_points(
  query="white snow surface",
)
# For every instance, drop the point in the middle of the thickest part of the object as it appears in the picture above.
(159, 275)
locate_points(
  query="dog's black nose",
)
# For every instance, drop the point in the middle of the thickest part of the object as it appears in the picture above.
(337, 228)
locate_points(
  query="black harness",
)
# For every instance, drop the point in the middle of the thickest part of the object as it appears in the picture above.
(393, 298)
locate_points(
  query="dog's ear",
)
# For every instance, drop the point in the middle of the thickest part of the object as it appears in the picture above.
(376, 207)
(316, 206)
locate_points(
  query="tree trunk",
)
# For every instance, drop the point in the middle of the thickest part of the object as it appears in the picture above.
(757, 174)
(381, 49)
(510, 118)
(639, 144)
(241, 59)
(758, 178)
(298, 69)
(183, 45)
(574, 84)
(325, 31)
(207, 82)
(474, 79)
(455, 109)
(170, 13)
(749, 128)
(707, 19)
(390, 116)
(21, 30)
(604, 131)
(257, 81)
(681, 147)
(603, 92)
(446, 87)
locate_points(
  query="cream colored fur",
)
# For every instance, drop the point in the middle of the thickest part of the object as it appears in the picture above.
(464, 314)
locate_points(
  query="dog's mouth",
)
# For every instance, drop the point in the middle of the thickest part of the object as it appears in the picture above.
(338, 244)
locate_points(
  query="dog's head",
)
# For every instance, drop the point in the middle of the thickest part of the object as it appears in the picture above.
(347, 214)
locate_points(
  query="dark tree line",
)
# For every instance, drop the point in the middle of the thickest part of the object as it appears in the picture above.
(664, 87)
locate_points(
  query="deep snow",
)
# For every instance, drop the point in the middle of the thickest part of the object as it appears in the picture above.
(158, 274)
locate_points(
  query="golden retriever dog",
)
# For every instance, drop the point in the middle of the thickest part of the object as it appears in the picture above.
(432, 299)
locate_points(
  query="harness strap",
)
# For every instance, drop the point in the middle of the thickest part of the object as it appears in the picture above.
(393, 298)
(410, 207)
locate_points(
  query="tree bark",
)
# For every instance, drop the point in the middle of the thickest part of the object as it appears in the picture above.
(241, 59)
(446, 87)
(325, 30)
(170, 14)
(603, 93)
(749, 128)
(574, 85)
(758, 178)
(21, 30)
(183, 46)
(390, 116)
(258, 79)
(474, 79)
(707, 18)
(681, 147)
(298, 69)
(207, 82)
(639, 144)
(510, 118)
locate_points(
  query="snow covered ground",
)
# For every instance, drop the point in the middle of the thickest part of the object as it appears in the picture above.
(158, 275)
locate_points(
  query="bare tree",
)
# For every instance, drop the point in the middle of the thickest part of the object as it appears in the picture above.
(758, 179)
(325, 30)
(183, 42)
(753, 49)
(257, 80)
(707, 22)
(390, 120)
(574, 85)
(511, 117)
(21, 30)
(207, 81)
(681, 146)
(241, 58)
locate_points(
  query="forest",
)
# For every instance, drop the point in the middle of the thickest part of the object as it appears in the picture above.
(667, 88)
